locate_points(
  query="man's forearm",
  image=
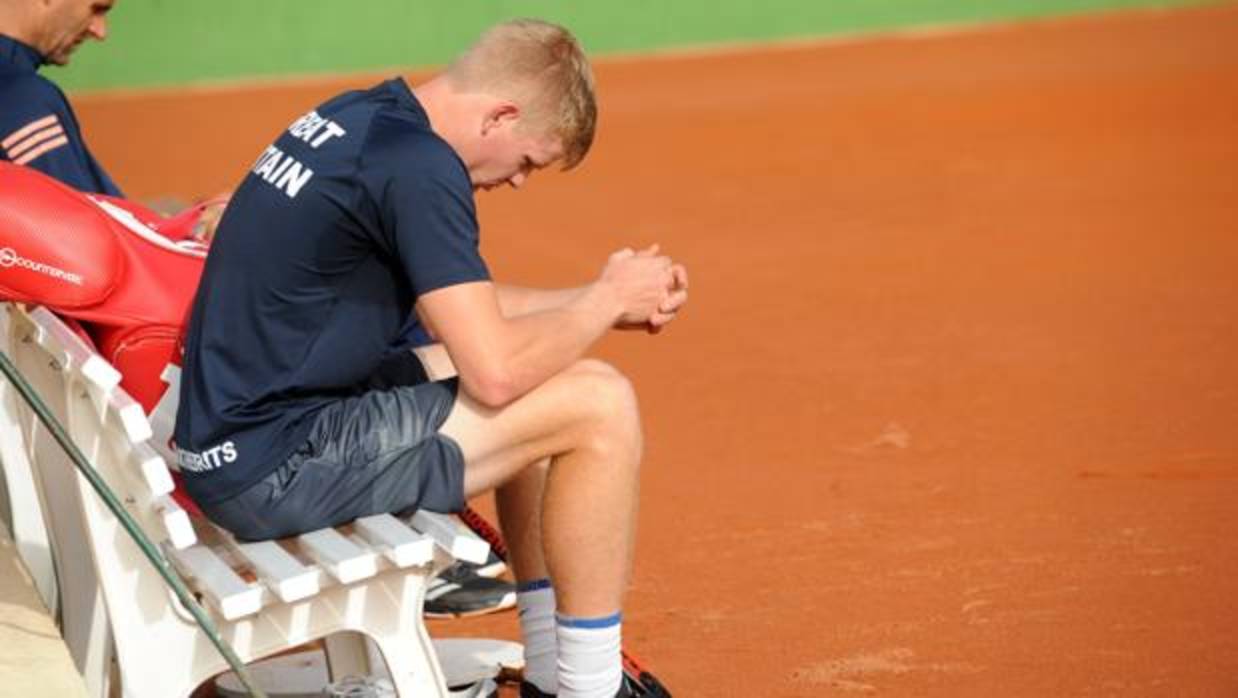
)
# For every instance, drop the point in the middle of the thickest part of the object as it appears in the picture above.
(542, 343)
(500, 359)
(515, 301)
(504, 350)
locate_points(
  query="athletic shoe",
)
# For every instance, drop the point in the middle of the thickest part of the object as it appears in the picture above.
(528, 690)
(485, 687)
(639, 681)
(459, 591)
(627, 689)
(492, 567)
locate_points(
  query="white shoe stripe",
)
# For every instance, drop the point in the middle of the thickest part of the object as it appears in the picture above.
(440, 590)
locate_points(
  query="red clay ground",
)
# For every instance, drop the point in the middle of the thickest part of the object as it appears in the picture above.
(954, 409)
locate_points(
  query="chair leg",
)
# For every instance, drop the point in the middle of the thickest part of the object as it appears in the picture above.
(396, 627)
(414, 673)
(347, 655)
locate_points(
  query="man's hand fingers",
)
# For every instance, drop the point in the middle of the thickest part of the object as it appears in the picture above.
(680, 274)
(673, 302)
(660, 318)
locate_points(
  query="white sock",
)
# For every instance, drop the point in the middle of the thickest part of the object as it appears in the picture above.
(536, 603)
(590, 665)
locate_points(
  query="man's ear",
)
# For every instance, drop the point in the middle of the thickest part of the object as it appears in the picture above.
(500, 115)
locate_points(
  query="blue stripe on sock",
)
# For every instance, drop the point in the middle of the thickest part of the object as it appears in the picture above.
(603, 622)
(533, 585)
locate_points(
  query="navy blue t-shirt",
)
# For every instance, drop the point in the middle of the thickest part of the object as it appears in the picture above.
(355, 211)
(37, 125)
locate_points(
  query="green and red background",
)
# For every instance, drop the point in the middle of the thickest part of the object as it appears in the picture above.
(953, 410)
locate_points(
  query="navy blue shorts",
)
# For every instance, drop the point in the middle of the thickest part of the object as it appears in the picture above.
(379, 452)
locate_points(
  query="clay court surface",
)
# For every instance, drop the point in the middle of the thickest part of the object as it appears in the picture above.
(954, 408)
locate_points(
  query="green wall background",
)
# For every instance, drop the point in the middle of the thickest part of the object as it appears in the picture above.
(177, 42)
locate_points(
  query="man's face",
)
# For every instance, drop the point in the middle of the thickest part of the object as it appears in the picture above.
(509, 154)
(67, 23)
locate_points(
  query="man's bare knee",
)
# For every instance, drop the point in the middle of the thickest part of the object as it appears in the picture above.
(588, 406)
(593, 366)
(606, 409)
(603, 393)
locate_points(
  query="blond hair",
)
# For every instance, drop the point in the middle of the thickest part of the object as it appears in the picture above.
(542, 68)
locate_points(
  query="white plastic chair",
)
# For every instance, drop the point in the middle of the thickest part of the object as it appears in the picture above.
(368, 578)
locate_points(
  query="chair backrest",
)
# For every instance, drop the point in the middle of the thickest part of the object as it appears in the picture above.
(81, 390)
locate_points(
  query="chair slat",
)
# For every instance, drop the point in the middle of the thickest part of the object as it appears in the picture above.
(283, 574)
(345, 560)
(460, 544)
(221, 586)
(154, 470)
(132, 416)
(74, 353)
(398, 542)
(177, 526)
(99, 372)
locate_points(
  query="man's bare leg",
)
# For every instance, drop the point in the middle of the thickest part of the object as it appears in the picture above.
(519, 501)
(585, 421)
(519, 504)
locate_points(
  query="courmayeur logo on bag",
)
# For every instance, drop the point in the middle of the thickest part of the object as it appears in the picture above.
(10, 258)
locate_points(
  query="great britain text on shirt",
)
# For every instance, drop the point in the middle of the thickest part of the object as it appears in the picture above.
(285, 172)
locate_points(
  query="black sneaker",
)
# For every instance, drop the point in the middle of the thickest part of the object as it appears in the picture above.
(492, 567)
(459, 591)
(528, 690)
(639, 682)
(627, 689)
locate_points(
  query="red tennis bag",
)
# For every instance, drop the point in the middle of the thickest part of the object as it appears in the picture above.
(121, 275)
(125, 272)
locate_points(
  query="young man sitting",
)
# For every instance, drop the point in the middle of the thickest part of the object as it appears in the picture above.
(298, 412)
